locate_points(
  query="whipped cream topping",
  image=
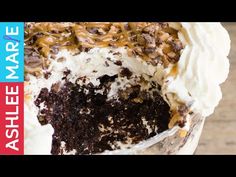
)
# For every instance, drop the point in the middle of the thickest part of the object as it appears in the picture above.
(37, 138)
(202, 67)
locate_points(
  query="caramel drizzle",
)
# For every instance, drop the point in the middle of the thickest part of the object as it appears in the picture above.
(73, 36)
(115, 35)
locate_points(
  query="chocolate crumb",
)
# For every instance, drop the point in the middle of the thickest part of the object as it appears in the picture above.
(118, 62)
(66, 73)
(47, 74)
(117, 53)
(125, 72)
(106, 64)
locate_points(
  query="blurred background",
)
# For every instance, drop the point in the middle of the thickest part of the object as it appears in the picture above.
(219, 132)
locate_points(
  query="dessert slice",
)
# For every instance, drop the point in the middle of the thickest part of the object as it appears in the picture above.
(101, 87)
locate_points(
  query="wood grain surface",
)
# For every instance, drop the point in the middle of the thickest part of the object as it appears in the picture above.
(219, 132)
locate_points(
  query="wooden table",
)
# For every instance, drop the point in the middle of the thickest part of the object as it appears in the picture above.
(219, 133)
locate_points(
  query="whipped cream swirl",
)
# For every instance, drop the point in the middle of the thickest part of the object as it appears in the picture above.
(202, 67)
